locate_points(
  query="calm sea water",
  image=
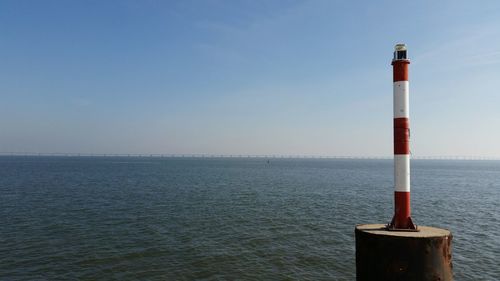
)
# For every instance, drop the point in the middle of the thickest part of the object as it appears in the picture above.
(228, 219)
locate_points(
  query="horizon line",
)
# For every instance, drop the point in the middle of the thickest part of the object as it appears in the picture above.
(216, 155)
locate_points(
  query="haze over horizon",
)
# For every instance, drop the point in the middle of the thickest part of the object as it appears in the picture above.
(246, 77)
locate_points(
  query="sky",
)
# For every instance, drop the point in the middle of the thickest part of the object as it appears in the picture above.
(247, 77)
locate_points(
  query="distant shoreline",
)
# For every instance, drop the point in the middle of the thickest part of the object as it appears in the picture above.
(155, 155)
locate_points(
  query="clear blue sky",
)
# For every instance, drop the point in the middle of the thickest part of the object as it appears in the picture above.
(246, 77)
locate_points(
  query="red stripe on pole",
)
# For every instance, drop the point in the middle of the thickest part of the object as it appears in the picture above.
(400, 70)
(402, 213)
(401, 136)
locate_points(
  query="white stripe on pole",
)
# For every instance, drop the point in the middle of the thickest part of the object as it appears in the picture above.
(402, 172)
(401, 99)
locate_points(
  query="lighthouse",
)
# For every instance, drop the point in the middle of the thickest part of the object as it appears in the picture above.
(401, 105)
(400, 251)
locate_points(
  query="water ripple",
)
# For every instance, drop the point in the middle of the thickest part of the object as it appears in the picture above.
(227, 219)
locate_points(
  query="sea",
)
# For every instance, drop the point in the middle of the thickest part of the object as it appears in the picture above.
(155, 218)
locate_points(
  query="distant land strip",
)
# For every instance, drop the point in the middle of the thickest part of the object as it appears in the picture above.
(210, 155)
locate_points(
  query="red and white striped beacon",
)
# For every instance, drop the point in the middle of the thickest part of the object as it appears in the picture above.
(402, 212)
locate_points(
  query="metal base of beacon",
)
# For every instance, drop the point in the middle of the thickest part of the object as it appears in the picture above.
(408, 225)
(422, 255)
